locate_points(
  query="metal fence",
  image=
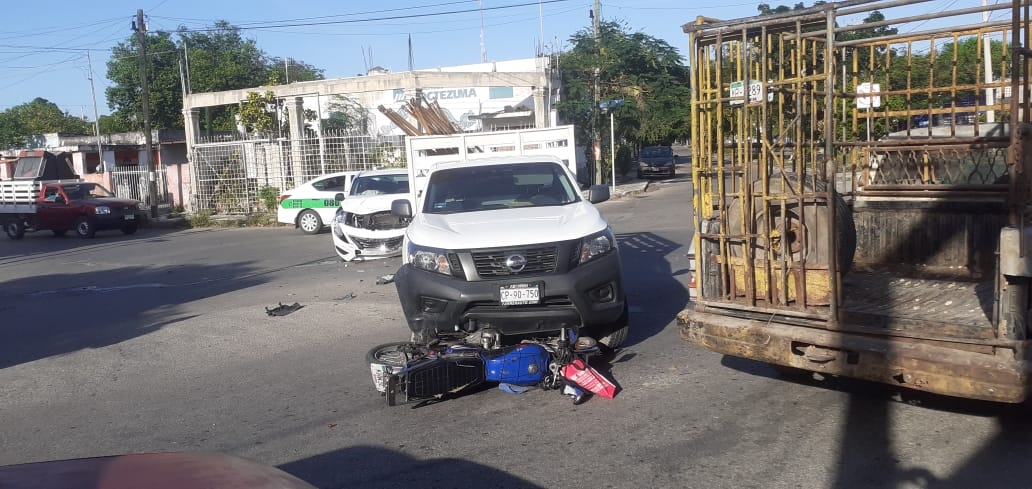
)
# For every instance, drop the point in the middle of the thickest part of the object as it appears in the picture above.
(130, 182)
(240, 176)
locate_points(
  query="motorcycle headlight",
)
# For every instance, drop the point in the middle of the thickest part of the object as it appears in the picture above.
(102, 210)
(596, 245)
(429, 259)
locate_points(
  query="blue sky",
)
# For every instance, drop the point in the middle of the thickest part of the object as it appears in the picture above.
(48, 58)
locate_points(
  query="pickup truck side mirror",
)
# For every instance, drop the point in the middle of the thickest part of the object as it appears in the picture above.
(598, 193)
(401, 208)
(339, 197)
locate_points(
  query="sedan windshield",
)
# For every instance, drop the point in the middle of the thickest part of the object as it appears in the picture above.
(482, 188)
(367, 185)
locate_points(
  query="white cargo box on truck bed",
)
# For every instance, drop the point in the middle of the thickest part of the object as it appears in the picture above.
(423, 152)
(19, 196)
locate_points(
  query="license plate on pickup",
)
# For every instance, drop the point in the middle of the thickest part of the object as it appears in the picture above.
(519, 294)
(130, 217)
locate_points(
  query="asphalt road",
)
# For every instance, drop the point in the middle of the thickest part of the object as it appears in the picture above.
(160, 341)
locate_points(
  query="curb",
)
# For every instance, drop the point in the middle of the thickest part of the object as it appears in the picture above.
(170, 223)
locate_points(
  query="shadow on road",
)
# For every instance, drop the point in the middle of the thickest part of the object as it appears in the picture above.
(370, 467)
(57, 313)
(654, 292)
(869, 458)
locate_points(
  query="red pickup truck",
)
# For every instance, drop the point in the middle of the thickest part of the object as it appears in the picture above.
(62, 205)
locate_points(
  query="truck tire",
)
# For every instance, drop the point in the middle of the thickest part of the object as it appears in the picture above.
(85, 228)
(815, 217)
(14, 228)
(615, 334)
(309, 222)
(128, 229)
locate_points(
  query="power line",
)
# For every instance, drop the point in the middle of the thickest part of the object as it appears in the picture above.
(519, 19)
(377, 19)
(370, 12)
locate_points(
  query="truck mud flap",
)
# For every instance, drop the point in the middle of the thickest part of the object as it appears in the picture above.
(1000, 377)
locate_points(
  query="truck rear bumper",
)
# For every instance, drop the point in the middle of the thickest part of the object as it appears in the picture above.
(1002, 376)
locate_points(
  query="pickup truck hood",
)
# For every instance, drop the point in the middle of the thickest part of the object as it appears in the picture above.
(371, 204)
(111, 202)
(658, 161)
(506, 227)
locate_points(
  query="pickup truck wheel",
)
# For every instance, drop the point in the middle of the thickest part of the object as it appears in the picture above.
(129, 228)
(59, 232)
(84, 227)
(615, 334)
(15, 229)
(309, 222)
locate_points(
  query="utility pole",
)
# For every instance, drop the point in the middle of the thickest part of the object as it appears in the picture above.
(96, 116)
(596, 142)
(152, 184)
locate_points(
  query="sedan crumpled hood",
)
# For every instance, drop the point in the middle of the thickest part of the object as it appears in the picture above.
(506, 227)
(371, 204)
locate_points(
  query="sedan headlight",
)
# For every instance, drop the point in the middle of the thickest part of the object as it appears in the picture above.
(102, 210)
(429, 259)
(596, 245)
(340, 216)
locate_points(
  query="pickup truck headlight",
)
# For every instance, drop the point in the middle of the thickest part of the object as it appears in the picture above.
(596, 245)
(429, 259)
(103, 209)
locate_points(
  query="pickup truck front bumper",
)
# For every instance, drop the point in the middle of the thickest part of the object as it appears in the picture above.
(998, 373)
(587, 295)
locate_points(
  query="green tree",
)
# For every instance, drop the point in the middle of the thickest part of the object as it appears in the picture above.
(39, 116)
(220, 58)
(646, 73)
(348, 115)
(124, 96)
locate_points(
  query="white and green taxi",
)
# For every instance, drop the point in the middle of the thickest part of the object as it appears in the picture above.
(312, 204)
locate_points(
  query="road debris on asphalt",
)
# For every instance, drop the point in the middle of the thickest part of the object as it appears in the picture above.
(347, 297)
(385, 279)
(283, 309)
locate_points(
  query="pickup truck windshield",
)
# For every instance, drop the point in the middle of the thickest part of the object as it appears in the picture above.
(86, 191)
(656, 152)
(367, 185)
(481, 188)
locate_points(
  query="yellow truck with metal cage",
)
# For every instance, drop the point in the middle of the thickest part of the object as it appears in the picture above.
(861, 193)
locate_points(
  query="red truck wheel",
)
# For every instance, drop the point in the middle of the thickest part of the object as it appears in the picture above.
(15, 229)
(84, 227)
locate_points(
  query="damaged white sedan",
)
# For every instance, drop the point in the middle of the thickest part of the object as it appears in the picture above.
(363, 227)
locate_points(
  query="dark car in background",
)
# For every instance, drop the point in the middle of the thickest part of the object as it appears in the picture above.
(656, 161)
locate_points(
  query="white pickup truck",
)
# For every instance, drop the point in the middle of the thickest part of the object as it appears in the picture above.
(501, 243)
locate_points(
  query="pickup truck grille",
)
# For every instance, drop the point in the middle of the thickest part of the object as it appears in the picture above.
(539, 261)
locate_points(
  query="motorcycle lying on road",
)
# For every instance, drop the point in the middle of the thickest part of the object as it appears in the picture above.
(412, 372)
